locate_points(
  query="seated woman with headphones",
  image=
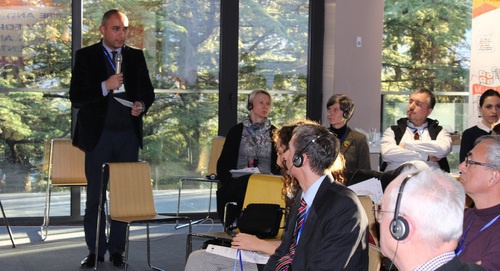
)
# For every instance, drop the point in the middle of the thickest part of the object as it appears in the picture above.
(353, 144)
(247, 144)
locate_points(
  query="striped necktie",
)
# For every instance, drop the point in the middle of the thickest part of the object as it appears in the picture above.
(285, 262)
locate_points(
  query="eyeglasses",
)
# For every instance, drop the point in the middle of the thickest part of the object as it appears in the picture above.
(472, 162)
(377, 212)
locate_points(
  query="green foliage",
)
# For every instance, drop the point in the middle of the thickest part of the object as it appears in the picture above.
(422, 42)
(423, 45)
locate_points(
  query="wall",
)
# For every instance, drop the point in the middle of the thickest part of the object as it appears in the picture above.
(355, 71)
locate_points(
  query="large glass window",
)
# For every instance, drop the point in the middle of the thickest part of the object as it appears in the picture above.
(273, 51)
(181, 42)
(35, 65)
(427, 44)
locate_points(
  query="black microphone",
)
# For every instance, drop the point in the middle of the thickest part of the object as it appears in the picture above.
(118, 63)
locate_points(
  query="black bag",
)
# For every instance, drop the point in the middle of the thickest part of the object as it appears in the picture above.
(261, 219)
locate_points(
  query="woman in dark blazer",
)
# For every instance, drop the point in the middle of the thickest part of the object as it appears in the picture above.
(353, 144)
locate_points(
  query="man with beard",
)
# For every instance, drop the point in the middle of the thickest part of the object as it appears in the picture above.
(416, 138)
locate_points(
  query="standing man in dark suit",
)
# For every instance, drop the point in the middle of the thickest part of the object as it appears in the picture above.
(112, 96)
(327, 227)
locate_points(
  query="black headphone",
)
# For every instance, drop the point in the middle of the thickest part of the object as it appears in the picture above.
(399, 226)
(298, 157)
(249, 104)
(347, 106)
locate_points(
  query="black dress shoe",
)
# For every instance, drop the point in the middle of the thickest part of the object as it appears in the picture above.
(117, 259)
(89, 261)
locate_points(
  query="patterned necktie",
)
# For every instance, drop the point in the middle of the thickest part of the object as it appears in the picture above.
(416, 135)
(285, 261)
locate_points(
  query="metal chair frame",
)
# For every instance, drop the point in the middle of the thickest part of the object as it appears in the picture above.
(66, 168)
(131, 201)
(262, 188)
(6, 222)
(215, 151)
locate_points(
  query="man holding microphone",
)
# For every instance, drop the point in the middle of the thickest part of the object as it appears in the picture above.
(111, 88)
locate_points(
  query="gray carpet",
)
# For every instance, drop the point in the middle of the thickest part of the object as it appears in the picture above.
(65, 248)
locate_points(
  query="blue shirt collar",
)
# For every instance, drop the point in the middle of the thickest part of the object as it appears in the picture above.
(119, 50)
(311, 192)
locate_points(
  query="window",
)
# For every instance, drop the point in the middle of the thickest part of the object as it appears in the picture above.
(426, 44)
(181, 42)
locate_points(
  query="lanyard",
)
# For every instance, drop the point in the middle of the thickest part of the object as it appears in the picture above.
(461, 245)
(238, 258)
(109, 58)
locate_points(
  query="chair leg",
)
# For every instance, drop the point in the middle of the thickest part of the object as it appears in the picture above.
(189, 241)
(127, 234)
(98, 229)
(189, 245)
(149, 250)
(199, 221)
(44, 229)
(7, 225)
(149, 245)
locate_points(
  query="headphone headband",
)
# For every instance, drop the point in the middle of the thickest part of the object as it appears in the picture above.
(298, 158)
(399, 226)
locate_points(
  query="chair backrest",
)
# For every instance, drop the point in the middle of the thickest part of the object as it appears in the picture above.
(374, 258)
(130, 190)
(215, 151)
(367, 203)
(66, 163)
(264, 188)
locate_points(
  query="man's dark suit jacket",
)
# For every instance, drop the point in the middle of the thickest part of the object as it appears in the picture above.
(86, 92)
(456, 265)
(335, 234)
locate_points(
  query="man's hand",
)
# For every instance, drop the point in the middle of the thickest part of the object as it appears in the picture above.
(137, 109)
(246, 242)
(115, 81)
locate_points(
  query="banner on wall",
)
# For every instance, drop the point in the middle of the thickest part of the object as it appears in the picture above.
(485, 53)
(18, 21)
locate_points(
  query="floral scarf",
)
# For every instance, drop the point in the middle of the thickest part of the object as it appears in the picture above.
(255, 139)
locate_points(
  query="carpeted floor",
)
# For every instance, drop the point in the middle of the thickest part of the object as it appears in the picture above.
(65, 248)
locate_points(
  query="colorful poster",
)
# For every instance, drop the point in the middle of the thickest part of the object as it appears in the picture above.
(485, 53)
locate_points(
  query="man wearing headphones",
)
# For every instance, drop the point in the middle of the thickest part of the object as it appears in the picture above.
(421, 216)
(327, 227)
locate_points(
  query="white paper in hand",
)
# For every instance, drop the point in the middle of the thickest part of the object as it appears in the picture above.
(124, 102)
(246, 256)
